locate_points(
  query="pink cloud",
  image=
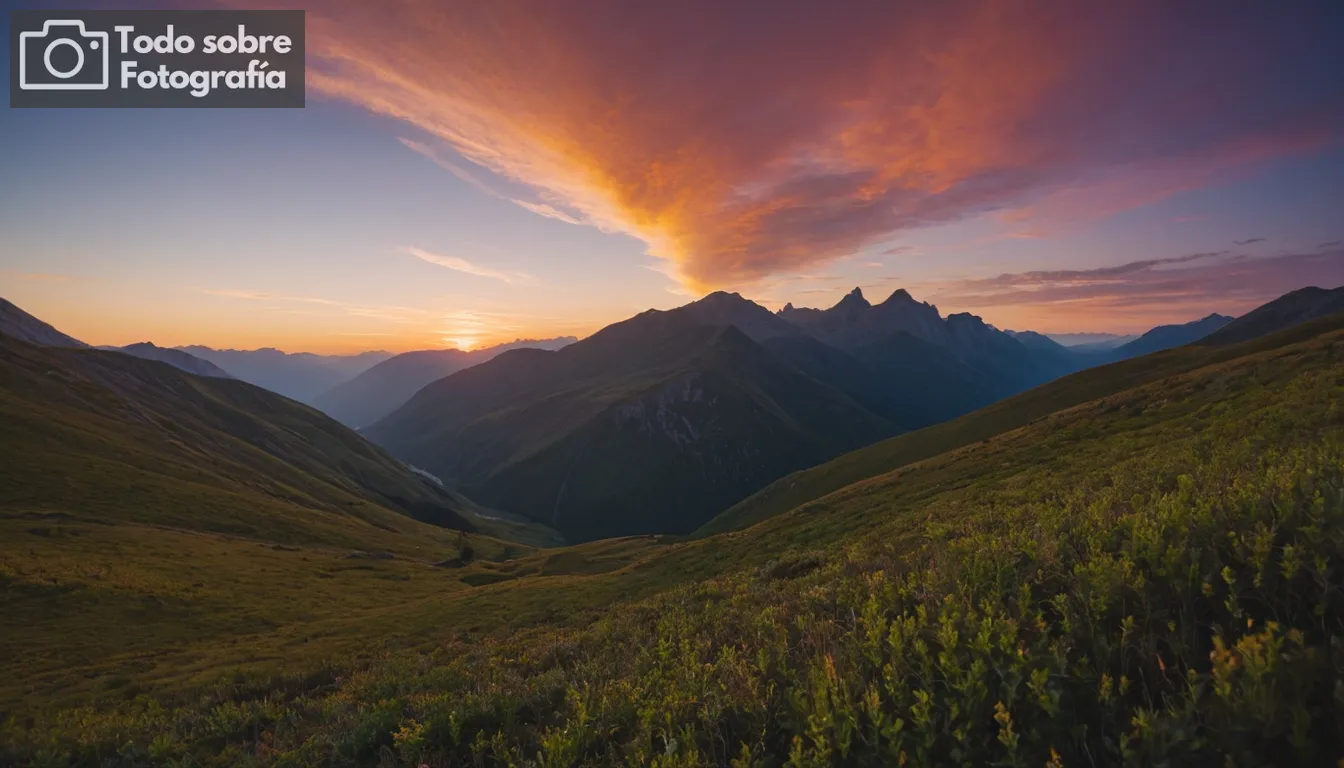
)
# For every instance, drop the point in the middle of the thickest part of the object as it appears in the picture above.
(741, 142)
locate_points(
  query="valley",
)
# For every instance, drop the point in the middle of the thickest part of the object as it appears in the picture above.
(294, 649)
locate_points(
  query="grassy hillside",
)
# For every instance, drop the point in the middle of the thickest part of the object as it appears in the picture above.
(651, 425)
(1289, 309)
(106, 436)
(811, 484)
(1144, 578)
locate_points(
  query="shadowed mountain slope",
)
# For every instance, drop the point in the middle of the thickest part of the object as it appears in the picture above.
(17, 324)
(650, 425)
(1286, 311)
(1169, 336)
(112, 437)
(183, 361)
(387, 386)
(807, 485)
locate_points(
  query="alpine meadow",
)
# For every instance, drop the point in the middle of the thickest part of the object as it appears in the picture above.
(548, 385)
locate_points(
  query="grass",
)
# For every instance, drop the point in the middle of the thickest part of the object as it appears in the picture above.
(1144, 578)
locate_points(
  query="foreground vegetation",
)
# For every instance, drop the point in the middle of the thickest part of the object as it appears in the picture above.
(1148, 578)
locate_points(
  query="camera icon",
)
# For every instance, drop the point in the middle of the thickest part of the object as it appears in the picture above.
(45, 58)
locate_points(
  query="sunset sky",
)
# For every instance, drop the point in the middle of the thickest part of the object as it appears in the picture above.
(469, 173)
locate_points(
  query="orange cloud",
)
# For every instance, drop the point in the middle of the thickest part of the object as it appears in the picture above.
(741, 141)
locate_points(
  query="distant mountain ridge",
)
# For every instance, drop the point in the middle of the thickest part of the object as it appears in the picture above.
(300, 376)
(1094, 340)
(1168, 336)
(184, 361)
(386, 386)
(1006, 363)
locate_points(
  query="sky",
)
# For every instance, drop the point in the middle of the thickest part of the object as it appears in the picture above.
(471, 173)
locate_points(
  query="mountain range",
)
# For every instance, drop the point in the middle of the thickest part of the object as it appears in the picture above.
(1093, 340)
(1168, 336)
(656, 423)
(233, 548)
(301, 376)
(183, 361)
(642, 427)
(386, 386)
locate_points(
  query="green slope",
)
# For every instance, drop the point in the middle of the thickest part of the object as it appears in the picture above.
(105, 436)
(810, 484)
(1146, 578)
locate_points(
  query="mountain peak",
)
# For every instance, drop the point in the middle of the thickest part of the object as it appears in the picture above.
(899, 295)
(723, 308)
(722, 297)
(851, 303)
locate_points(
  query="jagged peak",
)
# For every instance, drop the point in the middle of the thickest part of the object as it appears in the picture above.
(853, 300)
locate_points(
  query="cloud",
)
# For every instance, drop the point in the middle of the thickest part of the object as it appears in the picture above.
(1250, 241)
(740, 143)
(462, 265)
(549, 211)
(263, 296)
(443, 162)
(278, 301)
(1331, 244)
(1141, 293)
(438, 158)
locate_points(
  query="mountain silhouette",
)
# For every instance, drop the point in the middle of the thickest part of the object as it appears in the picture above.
(650, 425)
(184, 361)
(301, 376)
(1168, 336)
(1290, 309)
(16, 323)
(386, 386)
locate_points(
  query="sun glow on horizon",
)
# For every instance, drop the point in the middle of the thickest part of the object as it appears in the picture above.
(464, 343)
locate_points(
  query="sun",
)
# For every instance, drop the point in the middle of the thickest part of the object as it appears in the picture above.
(464, 343)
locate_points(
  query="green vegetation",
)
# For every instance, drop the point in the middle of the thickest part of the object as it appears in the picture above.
(1151, 577)
(112, 438)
